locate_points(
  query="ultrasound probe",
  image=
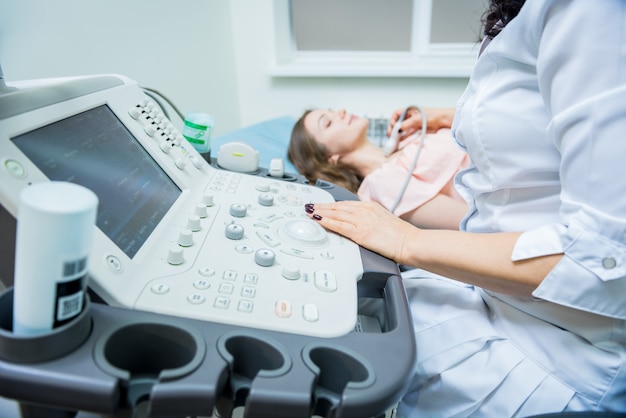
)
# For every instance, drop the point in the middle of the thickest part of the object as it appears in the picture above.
(391, 143)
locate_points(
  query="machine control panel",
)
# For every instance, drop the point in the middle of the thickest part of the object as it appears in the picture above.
(176, 234)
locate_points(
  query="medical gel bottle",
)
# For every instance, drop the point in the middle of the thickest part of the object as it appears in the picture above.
(55, 227)
(197, 130)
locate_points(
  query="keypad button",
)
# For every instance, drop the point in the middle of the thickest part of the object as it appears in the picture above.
(160, 288)
(325, 281)
(221, 302)
(282, 309)
(201, 284)
(251, 278)
(245, 306)
(226, 288)
(206, 271)
(310, 312)
(196, 299)
(248, 291)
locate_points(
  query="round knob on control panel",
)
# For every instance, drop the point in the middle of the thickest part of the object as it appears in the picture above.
(193, 223)
(185, 238)
(264, 257)
(200, 210)
(175, 255)
(207, 199)
(291, 272)
(238, 210)
(234, 231)
(266, 199)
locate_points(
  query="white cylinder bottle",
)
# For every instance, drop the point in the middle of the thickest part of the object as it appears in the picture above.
(54, 237)
(197, 130)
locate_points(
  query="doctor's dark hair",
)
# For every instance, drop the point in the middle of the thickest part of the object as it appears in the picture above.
(498, 15)
(311, 159)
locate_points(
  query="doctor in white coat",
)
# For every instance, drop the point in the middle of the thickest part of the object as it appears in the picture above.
(525, 312)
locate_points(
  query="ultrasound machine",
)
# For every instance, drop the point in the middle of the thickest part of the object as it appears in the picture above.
(209, 289)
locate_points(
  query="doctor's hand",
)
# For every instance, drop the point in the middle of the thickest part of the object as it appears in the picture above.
(436, 118)
(367, 224)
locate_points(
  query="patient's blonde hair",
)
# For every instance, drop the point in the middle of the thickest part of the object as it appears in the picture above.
(312, 160)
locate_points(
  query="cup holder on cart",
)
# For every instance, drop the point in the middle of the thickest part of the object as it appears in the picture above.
(142, 354)
(248, 357)
(337, 368)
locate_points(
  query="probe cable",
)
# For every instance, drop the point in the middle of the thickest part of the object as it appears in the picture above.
(407, 179)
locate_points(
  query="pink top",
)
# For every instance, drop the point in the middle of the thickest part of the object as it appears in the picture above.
(439, 161)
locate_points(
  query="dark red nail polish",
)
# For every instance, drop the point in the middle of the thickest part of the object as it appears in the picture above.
(309, 209)
(317, 217)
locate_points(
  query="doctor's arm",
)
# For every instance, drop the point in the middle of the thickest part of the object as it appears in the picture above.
(440, 212)
(480, 259)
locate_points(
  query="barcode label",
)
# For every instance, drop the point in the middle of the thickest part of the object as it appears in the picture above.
(69, 306)
(72, 268)
(70, 291)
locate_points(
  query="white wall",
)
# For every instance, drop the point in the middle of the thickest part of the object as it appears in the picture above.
(183, 49)
(262, 97)
(207, 55)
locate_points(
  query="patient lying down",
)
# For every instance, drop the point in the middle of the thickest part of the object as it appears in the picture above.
(333, 146)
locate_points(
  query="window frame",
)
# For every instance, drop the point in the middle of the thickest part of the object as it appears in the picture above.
(425, 59)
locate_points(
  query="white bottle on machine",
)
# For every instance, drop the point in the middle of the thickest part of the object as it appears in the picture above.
(54, 237)
(197, 131)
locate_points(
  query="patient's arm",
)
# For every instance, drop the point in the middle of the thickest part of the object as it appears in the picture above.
(440, 212)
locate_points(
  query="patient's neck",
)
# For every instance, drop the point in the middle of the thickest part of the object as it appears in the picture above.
(365, 159)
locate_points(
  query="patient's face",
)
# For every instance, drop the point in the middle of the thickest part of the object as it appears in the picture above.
(339, 131)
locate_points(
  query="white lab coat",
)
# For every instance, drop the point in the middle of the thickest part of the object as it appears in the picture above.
(544, 122)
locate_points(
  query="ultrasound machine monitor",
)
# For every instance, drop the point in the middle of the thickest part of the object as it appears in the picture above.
(174, 233)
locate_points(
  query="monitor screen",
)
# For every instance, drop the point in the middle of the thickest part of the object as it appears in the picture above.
(95, 149)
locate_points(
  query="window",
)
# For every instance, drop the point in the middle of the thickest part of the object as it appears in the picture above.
(404, 38)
